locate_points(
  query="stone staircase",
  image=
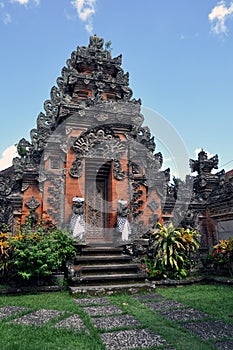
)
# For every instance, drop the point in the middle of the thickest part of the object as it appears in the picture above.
(105, 269)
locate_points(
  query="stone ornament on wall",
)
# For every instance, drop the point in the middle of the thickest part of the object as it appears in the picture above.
(32, 203)
(153, 205)
(5, 186)
(5, 211)
(100, 142)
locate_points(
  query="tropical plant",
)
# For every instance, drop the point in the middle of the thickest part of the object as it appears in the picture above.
(222, 255)
(4, 253)
(171, 251)
(37, 254)
(108, 46)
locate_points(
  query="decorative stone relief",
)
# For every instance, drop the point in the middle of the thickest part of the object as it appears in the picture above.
(5, 211)
(98, 143)
(32, 203)
(5, 186)
(55, 200)
(118, 173)
(153, 205)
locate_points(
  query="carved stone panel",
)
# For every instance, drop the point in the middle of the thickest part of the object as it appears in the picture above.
(32, 203)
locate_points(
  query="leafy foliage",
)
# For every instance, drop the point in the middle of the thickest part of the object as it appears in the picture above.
(108, 46)
(222, 255)
(35, 254)
(4, 253)
(170, 252)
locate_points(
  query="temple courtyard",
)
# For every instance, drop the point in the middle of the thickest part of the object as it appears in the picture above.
(185, 317)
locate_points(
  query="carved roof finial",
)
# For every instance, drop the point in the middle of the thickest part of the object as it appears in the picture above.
(204, 165)
(96, 43)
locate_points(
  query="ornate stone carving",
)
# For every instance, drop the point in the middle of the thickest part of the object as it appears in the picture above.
(102, 117)
(96, 43)
(143, 136)
(136, 203)
(190, 219)
(223, 192)
(77, 168)
(97, 143)
(5, 211)
(205, 181)
(61, 103)
(5, 186)
(25, 186)
(32, 203)
(204, 165)
(89, 139)
(118, 173)
(153, 205)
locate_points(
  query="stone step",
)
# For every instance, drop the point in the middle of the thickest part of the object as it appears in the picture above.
(105, 267)
(107, 279)
(130, 288)
(101, 251)
(80, 259)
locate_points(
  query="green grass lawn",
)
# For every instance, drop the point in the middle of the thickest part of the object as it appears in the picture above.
(216, 300)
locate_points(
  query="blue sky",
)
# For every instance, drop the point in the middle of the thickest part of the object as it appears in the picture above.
(179, 55)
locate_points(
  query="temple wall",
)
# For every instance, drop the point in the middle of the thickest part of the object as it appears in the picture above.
(31, 192)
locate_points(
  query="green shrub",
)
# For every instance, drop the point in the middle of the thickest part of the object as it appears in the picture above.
(37, 254)
(170, 252)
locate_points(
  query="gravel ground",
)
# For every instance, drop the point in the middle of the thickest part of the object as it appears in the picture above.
(131, 339)
(210, 329)
(183, 314)
(111, 322)
(224, 345)
(102, 310)
(73, 323)
(37, 318)
(7, 311)
(108, 317)
(91, 301)
(164, 304)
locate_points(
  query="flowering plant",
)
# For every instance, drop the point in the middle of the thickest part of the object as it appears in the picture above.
(222, 252)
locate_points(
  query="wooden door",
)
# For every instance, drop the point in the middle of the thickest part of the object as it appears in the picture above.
(96, 201)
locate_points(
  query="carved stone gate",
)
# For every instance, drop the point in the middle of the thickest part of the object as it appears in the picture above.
(89, 143)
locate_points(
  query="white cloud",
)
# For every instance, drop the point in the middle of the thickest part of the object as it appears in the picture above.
(218, 16)
(7, 156)
(6, 17)
(198, 150)
(25, 2)
(85, 10)
(89, 27)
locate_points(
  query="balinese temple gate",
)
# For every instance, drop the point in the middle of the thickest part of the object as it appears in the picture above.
(90, 165)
